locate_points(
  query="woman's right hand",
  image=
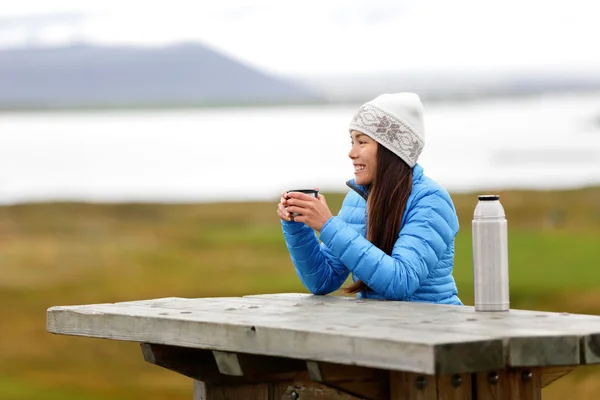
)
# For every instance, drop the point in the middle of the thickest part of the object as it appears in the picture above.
(282, 208)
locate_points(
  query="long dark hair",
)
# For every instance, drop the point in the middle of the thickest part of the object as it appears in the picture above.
(388, 195)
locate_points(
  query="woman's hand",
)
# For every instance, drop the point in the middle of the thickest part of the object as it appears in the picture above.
(282, 211)
(313, 211)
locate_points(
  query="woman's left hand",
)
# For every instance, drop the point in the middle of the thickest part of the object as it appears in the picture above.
(313, 211)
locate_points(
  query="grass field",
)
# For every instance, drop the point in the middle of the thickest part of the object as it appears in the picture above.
(65, 253)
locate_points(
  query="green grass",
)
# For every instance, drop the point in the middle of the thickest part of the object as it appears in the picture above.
(14, 390)
(71, 253)
(541, 263)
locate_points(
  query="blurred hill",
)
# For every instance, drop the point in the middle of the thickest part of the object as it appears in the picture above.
(185, 74)
(191, 74)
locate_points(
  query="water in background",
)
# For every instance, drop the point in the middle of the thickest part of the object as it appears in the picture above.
(234, 154)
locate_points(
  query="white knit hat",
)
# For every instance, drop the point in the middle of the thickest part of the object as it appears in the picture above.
(394, 121)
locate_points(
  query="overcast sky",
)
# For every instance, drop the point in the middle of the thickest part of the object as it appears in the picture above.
(337, 36)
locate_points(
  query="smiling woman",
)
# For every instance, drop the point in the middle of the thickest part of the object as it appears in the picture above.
(396, 229)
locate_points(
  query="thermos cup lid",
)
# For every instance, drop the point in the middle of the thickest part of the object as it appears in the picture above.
(489, 207)
(489, 197)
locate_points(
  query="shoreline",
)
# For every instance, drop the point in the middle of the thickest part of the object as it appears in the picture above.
(351, 101)
(456, 195)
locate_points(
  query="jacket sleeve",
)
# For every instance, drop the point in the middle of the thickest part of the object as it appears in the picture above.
(428, 231)
(319, 270)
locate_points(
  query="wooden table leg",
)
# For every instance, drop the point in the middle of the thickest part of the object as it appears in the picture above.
(405, 385)
(361, 382)
(304, 390)
(525, 384)
(203, 391)
(493, 385)
(454, 387)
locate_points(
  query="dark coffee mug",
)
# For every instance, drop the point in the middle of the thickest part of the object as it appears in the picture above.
(312, 192)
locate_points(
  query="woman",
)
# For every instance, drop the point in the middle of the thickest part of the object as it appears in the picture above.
(396, 228)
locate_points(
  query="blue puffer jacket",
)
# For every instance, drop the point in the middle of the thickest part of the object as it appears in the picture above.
(420, 267)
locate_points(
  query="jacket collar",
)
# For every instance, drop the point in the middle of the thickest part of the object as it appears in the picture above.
(361, 190)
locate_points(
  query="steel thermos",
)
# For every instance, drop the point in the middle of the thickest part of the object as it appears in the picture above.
(490, 255)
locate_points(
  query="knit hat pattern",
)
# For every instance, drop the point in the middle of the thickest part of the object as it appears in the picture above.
(396, 122)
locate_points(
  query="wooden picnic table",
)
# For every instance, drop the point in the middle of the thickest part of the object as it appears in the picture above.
(299, 346)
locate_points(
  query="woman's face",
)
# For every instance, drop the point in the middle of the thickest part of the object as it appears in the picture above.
(364, 158)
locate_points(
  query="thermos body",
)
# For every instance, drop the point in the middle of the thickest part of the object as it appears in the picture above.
(490, 255)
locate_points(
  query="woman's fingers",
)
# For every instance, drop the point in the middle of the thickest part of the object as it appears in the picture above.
(282, 208)
(300, 203)
(283, 212)
(297, 202)
(300, 200)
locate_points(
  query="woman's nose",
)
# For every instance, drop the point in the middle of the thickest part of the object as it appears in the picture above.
(352, 153)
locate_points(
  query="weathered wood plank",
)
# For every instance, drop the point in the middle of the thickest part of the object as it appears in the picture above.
(307, 333)
(445, 334)
(300, 297)
(435, 312)
(316, 306)
(404, 313)
(533, 336)
(591, 348)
